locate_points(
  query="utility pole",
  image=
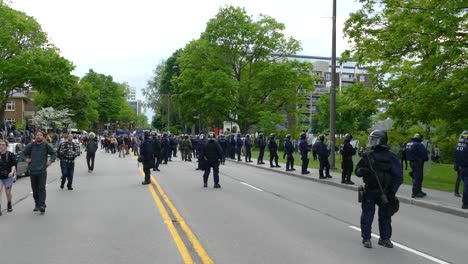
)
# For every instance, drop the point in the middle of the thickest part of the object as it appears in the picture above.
(333, 91)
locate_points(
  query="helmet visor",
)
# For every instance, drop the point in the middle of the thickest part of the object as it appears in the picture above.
(373, 141)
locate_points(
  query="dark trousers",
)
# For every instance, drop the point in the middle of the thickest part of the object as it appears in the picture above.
(233, 152)
(305, 164)
(417, 168)
(90, 160)
(403, 159)
(347, 169)
(38, 185)
(206, 174)
(463, 174)
(248, 154)
(369, 200)
(273, 155)
(289, 162)
(324, 164)
(260, 155)
(457, 182)
(238, 152)
(147, 165)
(68, 169)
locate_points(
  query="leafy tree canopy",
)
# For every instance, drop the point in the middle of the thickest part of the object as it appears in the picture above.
(417, 53)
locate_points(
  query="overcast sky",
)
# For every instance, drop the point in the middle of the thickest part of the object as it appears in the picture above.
(127, 39)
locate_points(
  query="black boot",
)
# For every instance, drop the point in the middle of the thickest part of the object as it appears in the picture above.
(9, 207)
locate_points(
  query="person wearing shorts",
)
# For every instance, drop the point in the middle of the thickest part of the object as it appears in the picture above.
(7, 173)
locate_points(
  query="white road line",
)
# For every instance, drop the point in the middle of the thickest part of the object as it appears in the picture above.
(419, 253)
(246, 184)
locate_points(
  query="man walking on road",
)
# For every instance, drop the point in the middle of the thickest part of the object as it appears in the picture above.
(211, 156)
(383, 175)
(67, 153)
(36, 154)
(91, 148)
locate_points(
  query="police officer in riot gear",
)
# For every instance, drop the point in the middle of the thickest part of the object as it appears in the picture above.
(347, 152)
(461, 164)
(323, 153)
(289, 152)
(304, 149)
(273, 148)
(211, 156)
(239, 144)
(147, 157)
(261, 148)
(248, 148)
(382, 174)
(416, 153)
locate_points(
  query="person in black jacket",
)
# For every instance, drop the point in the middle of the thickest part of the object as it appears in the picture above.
(382, 174)
(347, 152)
(261, 148)
(211, 155)
(323, 153)
(273, 148)
(91, 148)
(147, 157)
(289, 152)
(304, 149)
(239, 144)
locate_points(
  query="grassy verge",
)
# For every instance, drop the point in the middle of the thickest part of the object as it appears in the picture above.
(440, 177)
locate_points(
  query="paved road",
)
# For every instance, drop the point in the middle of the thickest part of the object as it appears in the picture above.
(258, 216)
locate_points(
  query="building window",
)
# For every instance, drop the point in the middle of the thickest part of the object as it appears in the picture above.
(362, 78)
(10, 106)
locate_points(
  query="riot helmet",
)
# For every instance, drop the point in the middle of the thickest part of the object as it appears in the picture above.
(377, 138)
(418, 137)
(322, 138)
(303, 135)
(288, 136)
(348, 137)
(272, 135)
(211, 136)
(260, 135)
(146, 134)
(463, 137)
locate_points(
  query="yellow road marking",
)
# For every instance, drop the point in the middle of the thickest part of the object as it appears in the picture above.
(193, 239)
(175, 235)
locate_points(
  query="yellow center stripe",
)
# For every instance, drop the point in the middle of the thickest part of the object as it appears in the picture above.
(175, 235)
(193, 239)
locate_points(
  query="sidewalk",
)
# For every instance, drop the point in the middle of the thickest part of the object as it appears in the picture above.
(440, 201)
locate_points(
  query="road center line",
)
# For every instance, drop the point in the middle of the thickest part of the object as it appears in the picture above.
(246, 184)
(419, 253)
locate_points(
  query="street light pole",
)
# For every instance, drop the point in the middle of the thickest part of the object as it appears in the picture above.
(333, 91)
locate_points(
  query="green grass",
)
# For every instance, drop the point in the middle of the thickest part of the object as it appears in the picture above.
(440, 177)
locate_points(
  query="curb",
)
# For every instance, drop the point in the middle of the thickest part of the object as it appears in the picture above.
(403, 199)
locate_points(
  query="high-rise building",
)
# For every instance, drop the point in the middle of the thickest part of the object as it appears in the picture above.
(347, 73)
(132, 94)
(136, 104)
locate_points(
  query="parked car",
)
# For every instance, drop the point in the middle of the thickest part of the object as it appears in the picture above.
(22, 166)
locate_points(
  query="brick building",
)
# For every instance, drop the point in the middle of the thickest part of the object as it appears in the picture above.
(20, 109)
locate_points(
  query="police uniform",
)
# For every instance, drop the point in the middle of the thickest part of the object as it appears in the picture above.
(261, 148)
(461, 164)
(381, 171)
(323, 153)
(347, 152)
(416, 153)
(304, 149)
(289, 152)
(273, 148)
(147, 157)
(211, 155)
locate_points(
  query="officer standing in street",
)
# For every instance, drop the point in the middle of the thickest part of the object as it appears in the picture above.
(461, 164)
(224, 146)
(304, 149)
(289, 152)
(383, 175)
(261, 148)
(273, 148)
(239, 144)
(323, 153)
(416, 153)
(147, 157)
(347, 152)
(211, 155)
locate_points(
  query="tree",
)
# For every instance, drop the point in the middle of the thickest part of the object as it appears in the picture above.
(354, 109)
(417, 53)
(49, 118)
(80, 99)
(27, 59)
(111, 96)
(238, 69)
